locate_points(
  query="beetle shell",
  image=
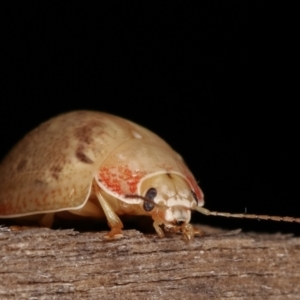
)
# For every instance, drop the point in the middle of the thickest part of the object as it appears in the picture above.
(57, 166)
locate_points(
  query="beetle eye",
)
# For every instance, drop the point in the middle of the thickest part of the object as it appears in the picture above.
(194, 196)
(150, 195)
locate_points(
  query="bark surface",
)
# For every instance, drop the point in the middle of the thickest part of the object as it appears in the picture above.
(41, 263)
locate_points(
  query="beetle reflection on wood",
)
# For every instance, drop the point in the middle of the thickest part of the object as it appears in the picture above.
(98, 165)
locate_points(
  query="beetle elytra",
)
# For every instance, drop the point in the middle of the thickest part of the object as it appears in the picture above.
(101, 166)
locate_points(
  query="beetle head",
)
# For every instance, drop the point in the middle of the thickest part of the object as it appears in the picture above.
(169, 199)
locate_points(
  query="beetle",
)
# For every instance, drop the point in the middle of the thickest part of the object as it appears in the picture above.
(97, 165)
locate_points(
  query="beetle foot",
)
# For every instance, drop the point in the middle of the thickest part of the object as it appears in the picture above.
(158, 229)
(188, 232)
(115, 233)
(199, 232)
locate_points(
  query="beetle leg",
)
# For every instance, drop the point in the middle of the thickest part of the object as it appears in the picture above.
(113, 220)
(188, 232)
(156, 224)
(199, 232)
(46, 220)
(158, 230)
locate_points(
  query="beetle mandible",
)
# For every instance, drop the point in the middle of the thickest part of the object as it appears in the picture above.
(97, 165)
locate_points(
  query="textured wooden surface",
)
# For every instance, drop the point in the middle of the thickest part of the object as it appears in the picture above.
(64, 264)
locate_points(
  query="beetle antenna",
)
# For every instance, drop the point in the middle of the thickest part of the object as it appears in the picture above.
(207, 212)
(141, 197)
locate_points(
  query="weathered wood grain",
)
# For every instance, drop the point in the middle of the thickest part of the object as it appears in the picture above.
(64, 264)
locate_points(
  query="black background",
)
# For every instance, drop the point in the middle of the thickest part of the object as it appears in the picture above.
(219, 82)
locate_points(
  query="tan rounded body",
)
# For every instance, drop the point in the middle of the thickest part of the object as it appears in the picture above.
(71, 159)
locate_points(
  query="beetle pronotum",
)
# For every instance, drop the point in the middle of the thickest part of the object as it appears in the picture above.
(98, 165)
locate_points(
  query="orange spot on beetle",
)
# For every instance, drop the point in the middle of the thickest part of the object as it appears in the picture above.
(106, 176)
(118, 178)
